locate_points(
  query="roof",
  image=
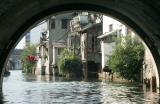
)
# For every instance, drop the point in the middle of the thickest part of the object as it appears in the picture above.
(59, 45)
(90, 25)
(107, 34)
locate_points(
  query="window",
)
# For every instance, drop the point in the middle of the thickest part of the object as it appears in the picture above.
(110, 27)
(60, 50)
(64, 23)
(53, 23)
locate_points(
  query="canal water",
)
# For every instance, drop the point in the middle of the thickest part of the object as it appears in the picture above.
(19, 88)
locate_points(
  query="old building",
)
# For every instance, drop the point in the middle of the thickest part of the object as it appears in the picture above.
(15, 59)
(85, 27)
(113, 29)
(150, 75)
(59, 27)
(42, 66)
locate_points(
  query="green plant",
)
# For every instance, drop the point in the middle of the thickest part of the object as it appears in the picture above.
(127, 58)
(70, 63)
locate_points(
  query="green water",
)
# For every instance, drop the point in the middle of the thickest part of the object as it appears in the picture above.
(29, 89)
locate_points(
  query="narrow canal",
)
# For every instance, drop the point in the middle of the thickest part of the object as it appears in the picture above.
(28, 89)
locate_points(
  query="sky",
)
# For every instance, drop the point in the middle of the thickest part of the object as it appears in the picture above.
(35, 34)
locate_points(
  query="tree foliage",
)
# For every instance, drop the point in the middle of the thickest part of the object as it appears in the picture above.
(28, 65)
(127, 58)
(70, 63)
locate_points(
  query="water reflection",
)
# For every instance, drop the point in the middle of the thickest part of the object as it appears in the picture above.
(29, 89)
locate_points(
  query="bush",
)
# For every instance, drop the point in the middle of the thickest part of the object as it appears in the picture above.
(127, 58)
(70, 64)
(28, 65)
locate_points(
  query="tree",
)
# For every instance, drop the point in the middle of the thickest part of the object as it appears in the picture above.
(28, 58)
(127, 58)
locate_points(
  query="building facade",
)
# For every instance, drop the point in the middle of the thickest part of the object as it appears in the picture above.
(42, 54)
(85, 27)
(113, 29)
(59, 27)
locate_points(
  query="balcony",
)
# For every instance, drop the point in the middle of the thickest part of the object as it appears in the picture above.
(78, 22)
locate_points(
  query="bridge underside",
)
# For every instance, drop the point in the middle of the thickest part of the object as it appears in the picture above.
(16, 16)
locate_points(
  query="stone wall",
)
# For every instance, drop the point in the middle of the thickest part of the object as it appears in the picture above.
(150, 72)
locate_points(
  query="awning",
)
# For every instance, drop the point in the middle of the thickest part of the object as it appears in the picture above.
(106, 34)
(90, 25)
